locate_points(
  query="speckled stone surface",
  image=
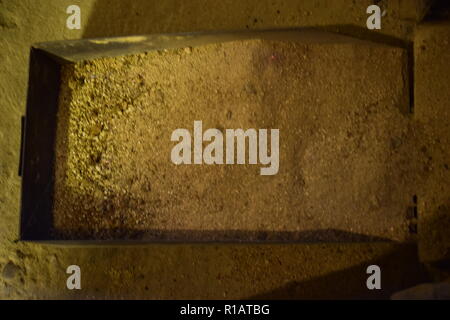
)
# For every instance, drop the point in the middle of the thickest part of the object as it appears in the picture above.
(432, 112)
(347, 166)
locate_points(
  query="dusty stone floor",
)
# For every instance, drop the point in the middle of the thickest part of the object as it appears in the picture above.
(180, 271)
(346, 150)
(432, 91)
